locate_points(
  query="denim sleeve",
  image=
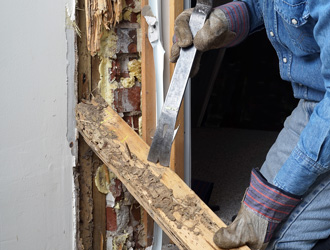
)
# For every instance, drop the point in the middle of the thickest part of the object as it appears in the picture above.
(311, 156)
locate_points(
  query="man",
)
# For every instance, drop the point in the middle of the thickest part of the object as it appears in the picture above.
(287, 205)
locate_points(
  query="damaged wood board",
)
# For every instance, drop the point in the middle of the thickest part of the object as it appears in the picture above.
(103, 15)
(100, 14)
(170, 202)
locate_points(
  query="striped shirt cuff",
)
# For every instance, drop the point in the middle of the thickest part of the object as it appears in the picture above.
(267, 200)
(238, 20)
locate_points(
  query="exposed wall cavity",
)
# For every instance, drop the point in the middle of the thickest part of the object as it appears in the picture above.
(114, 34)
(134, 70)
(101, 14)
(106, 84)
(108, 46)
(107, 14)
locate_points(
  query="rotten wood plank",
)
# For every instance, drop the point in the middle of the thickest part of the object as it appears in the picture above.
(86, 224)
(100, 14)
(170, 202)
(85, 154)
(92, 204)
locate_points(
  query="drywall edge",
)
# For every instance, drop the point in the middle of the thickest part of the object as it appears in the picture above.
(72, 99)
(36, 181)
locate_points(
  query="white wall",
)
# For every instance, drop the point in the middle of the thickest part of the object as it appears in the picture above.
(36, 201)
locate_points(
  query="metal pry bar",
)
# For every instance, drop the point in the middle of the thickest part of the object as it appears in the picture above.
(160, 149)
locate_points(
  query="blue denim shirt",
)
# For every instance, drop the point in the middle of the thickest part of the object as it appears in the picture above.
(299, 30)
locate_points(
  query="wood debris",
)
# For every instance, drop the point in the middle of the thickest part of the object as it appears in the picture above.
(176, 208)
(101, 14)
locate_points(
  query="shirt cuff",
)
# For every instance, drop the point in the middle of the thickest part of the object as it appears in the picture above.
(238, 20)
(298, 173)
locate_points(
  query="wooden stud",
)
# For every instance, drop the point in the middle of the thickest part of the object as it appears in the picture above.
(99, 199)
(99, 210)
(85, 195)
(148, 107)
(92, 204)
(148, 84)
(173, 205)
(85, 154)
(177, 153)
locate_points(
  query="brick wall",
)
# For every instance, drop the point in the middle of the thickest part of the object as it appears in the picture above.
(120, 86)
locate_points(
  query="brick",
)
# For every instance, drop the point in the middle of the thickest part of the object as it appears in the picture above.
(124, 60)
(111, 219)
(116, 188)
(127, 99)
(134, 17)
(135, 7)
(119, 67)
(130, 3)
(135, 214)
(115, 71)
(132, 48)
(132, 121)
(127, 40)
(135, 222)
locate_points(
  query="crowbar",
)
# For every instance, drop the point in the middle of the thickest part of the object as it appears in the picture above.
(160, 149)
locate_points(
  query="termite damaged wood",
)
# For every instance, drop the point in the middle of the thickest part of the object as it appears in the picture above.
(170, 202)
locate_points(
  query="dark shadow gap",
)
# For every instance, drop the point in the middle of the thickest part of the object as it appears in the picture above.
(246, 109)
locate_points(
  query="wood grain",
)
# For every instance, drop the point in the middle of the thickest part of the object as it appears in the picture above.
(188, 222)
(148, 107)
(177, 153)
(148, 84)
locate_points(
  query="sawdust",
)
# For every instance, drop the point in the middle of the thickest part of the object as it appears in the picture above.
(183, 212)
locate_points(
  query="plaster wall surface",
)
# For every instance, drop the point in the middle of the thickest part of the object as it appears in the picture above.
(36, 199)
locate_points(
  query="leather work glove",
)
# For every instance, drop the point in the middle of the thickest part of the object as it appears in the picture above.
(263, 208)
(214, 34)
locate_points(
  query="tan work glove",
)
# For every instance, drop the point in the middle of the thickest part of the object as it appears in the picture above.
(247, 229)
(213, 35)
(263, 208)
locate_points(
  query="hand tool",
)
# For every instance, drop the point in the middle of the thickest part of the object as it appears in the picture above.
(160, 149)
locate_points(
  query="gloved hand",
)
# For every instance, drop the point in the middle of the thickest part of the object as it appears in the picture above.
(213, 35)
(263, 208)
